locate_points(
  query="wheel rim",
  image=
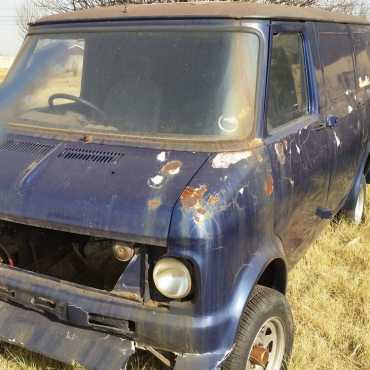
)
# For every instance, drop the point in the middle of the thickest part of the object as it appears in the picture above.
(268, 348)
(359, 210)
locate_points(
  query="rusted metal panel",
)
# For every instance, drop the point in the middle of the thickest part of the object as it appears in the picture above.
(71, 345)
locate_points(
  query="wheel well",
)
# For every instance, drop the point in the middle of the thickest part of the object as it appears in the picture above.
(367, 170)
(275, 276)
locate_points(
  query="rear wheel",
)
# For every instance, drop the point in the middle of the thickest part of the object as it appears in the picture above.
(265, 336)
(357, 212)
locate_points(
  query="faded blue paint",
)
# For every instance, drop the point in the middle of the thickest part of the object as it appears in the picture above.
(229, 214)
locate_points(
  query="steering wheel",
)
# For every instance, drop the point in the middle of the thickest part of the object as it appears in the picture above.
(76, 99)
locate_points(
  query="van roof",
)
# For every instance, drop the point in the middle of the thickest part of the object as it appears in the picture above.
(227, 10)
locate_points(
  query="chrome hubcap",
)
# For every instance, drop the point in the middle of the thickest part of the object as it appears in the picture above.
(268, 348)
(359, 210)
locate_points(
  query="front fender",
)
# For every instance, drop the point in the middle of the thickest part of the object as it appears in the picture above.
(224, 324)
(224, 225)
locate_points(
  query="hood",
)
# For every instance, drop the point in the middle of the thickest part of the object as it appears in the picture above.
(96, 189)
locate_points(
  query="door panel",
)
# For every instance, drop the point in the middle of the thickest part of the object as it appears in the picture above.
(340, 85)
(299, 150)
(361, 43)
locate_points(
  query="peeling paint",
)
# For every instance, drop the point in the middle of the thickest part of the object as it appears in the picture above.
(364, 82)
(213, 200)
(70, 336)
(225, 160)
(192, 196)
(161, 157)
(156, 181)
(269, 185)
(171, 168)
(153, 204)
(255, 143)
(350, 109)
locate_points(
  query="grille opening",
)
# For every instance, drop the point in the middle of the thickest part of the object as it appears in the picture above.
(78, 259)
(26, 147)
(96, 156)
(111, 323)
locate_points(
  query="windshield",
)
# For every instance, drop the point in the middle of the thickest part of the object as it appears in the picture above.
(152, 84)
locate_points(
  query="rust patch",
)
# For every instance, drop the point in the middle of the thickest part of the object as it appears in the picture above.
(87, 139)
(192, 196)
(269, 185)
(153, 204)
(255, 143)
(201, 211)
(171, 168)
(213, 200)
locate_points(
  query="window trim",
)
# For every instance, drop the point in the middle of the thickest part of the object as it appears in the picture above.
(292, 28)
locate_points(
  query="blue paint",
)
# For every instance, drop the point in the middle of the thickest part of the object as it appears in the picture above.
(230, 222)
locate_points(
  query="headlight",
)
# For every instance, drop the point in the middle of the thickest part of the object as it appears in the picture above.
(172, 278)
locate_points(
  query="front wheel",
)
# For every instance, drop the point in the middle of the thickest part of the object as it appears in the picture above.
(265, 337)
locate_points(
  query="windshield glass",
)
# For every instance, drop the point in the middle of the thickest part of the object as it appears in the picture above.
(152, 84)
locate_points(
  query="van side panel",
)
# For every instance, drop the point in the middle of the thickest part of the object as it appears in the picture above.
(347, 136)
(361, 45)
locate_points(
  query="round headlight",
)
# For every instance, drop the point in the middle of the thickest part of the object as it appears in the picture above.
(172, 278)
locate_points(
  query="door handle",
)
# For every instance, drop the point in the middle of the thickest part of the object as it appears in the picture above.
(331, 121)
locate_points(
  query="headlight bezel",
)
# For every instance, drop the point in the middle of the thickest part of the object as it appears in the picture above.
(184, 269)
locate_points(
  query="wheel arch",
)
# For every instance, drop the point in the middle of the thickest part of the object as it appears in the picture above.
(275, 276)
(363, 170)
(367, 169)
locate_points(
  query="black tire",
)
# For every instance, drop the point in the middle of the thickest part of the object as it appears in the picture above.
(264, 305)
(352, 212)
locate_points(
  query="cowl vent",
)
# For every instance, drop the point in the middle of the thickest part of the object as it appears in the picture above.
(26, 147)
(96, 156)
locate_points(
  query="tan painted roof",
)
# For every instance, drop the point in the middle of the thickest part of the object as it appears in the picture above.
(233, 10)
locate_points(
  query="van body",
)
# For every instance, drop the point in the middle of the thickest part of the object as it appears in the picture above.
(163, 167)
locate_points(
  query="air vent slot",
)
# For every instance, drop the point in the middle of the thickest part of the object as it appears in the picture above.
(26, 147)
(95, 156)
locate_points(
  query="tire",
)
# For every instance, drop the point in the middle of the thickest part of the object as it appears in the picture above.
(357, 212)
(266, 309)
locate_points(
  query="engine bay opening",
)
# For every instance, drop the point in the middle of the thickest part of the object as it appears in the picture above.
(84, 260)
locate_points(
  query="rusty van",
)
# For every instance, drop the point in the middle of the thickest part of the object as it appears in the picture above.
(163, 167)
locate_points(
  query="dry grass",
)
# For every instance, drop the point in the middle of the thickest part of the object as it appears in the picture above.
(330, 297)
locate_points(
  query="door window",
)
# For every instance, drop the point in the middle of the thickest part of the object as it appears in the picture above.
(338, 66)
(287, 96)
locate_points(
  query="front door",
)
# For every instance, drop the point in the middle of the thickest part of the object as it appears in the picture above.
(298, 145)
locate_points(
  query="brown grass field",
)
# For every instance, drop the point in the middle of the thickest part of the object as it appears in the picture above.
(330, 295)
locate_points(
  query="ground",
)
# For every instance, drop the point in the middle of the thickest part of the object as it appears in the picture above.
(330, 296)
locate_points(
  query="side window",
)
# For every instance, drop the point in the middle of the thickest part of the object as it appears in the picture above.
(338, 66)
(287, 96)
(361, 38)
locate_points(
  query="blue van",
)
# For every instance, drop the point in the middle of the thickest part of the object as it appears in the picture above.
(162, 167)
